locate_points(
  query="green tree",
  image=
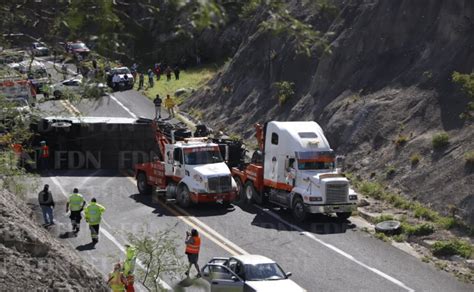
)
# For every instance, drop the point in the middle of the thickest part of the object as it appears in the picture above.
(160, 256)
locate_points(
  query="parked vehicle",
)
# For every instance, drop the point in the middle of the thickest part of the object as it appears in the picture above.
(247, 273)
(76, 86)
(126, 79)
(39, 49)
(14, 85)
(188, 170)
(294, 168)
(78, 49)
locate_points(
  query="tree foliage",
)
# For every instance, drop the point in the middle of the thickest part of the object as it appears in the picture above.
(160, 256)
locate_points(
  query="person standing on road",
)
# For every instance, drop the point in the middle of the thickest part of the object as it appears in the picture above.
(46, 202)
(93, 213)
(141, 80)
(193, 244)
(116, 279)
(129, 266)
(64, 71)
(169, 104)
(76, 204)
(115, 82)
(157, 101)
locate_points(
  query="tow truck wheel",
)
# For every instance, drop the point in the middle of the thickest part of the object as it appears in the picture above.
(143, 187)
(240, 198)
(344, 215)
(298, 210)
(184, 199)
(251, 194)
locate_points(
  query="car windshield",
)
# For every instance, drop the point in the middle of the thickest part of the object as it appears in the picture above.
(121, 71)
(315, 165)
(78, 46)
(264, 272)
(205, 155)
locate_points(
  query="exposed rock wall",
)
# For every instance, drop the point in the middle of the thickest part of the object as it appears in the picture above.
(389, 74)
(31, 260)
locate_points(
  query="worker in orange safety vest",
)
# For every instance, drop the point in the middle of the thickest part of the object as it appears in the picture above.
(193, 244)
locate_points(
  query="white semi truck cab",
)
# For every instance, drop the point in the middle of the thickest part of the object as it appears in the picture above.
(298, 171)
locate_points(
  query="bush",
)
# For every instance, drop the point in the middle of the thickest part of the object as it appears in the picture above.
(371, 189)
(440, 140)
(415, 159)
(418, 230)
(390, 171)
(285, 90)
(401, 140)
(423, 212)
(381, 236)
(469, 157)
(452, 247)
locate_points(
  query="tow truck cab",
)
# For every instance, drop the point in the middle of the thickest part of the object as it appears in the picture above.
(198, 168)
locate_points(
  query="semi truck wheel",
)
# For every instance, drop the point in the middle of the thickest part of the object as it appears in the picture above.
(299, 213)
(184, 199)
(251, 194)
(143, 187)
(344, 215)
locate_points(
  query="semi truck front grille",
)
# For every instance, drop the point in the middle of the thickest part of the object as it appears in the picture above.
(220, 184)
(336, 193)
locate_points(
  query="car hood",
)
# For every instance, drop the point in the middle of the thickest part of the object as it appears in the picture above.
(274, 286)
(212, 169)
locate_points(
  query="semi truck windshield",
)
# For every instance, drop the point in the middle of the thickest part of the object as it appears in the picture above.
(313, 165)
(202, 157)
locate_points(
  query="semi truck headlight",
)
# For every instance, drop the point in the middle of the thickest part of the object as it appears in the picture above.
(315, 199)
(352, 197)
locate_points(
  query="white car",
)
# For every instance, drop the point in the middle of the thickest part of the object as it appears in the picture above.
(247, 273)
(74, 85)
(39, 49)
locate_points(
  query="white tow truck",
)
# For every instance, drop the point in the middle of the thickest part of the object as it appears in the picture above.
(188, 170)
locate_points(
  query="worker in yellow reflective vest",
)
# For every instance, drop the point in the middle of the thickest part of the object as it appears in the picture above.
(76, 204)
(129, 266)
(93, 213)
(116, 280)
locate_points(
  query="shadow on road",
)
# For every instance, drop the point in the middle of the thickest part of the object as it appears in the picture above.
(314, 223)
(84, 247)
(67, 234)
(201, 210)
(194, 283)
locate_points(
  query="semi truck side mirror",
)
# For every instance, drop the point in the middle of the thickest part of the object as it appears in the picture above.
(340, 163)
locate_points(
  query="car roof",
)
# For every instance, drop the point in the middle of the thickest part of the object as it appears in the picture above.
(253, 259)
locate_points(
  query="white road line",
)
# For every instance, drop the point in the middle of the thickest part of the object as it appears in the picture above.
(217, 235)
(122, 106)
(337, 250)
(111, 237)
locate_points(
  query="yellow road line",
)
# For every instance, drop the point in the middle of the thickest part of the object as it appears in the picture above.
(205, 230)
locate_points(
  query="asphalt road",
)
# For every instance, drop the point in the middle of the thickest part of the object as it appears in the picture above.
(324, 254)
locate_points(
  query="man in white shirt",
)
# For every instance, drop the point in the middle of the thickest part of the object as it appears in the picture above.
(115, 81)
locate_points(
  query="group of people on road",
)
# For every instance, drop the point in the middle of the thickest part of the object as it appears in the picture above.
(158, 70)
(169, 105)
(122, 278)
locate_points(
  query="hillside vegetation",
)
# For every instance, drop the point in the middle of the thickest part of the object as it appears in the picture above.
(378, 78)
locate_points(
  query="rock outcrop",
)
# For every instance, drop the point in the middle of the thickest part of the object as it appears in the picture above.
(388, 76)
(31, 260)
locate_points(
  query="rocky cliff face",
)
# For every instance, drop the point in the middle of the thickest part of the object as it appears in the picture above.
(31, 260)
(388, 76)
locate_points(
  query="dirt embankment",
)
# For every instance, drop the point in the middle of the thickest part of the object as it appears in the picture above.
(388, 76)
(31, 260)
